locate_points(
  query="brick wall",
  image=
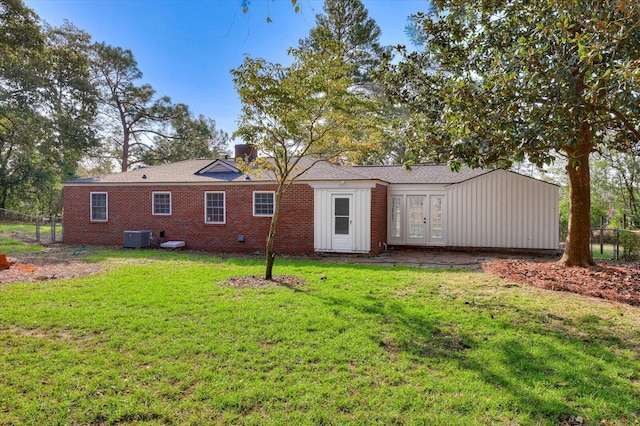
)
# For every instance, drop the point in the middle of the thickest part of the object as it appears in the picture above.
(378, 218)
(130, 208)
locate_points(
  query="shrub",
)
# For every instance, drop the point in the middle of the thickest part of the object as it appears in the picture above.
(630, 242)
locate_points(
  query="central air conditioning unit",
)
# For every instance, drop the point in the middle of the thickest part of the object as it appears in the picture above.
(137, 239)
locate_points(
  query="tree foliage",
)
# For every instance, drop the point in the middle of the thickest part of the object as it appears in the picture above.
(346, 24)
(47, 106)
(498, 81)
(137, 126)
(192, 138)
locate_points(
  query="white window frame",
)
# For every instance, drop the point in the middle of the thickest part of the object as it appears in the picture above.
(224, 208)
(106, 206)
(153, 203)
(255, 193)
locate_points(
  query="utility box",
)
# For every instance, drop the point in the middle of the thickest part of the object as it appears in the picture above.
(137, 239)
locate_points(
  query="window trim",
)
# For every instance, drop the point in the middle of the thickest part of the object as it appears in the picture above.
(106, 206)
(153, 203)
(273, 193)
(224, 208)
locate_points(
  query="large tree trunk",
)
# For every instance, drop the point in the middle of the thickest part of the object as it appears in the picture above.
(578, 248)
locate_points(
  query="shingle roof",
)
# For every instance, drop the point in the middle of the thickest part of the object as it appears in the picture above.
(188, 172)
(421, 173)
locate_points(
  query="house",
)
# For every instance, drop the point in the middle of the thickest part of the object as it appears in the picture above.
(210, 204)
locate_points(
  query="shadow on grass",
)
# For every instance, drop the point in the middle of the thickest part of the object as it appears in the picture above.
(549, 371)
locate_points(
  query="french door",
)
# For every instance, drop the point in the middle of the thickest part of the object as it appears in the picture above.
(425, 220)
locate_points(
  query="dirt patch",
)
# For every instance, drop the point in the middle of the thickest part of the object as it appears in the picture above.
(52, 265)
(616, 283)
(258, 281)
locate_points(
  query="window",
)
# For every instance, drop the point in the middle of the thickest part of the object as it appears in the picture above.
(263, 203)
(214, 207)
(99, 206)
(396, 217)
(162, 203)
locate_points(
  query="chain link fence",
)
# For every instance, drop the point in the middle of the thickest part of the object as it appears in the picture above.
(30, 228)
(615, 244)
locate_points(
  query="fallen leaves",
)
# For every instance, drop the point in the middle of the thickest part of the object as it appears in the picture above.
(617, 283)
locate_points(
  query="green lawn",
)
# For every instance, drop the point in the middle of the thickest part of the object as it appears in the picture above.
(608, 251)
(13, 237)
(159, 339)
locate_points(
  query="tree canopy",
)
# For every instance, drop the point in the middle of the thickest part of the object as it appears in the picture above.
(139, 127)
(47, 106)
(500, 81)
(69, 106)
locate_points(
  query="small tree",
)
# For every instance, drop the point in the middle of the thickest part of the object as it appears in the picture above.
(304, 109)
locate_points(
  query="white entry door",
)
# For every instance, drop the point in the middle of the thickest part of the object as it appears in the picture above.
(342, 222)
(416, 220)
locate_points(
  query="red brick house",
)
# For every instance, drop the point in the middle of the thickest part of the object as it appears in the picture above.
(212, 205)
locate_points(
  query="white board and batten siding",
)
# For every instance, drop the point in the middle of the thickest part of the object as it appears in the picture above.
(361, 227)
(503, 209)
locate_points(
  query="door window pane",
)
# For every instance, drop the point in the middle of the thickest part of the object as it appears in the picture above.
(342, 225)
(416, 217)
(436, 217)
(341, 216)
(342, 206)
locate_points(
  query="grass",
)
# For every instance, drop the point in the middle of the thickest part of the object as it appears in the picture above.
(608, 251)
(159, 339)
(13, 236)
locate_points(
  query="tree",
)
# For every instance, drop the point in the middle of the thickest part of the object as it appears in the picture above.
(346, 23)
(245, 7)
(47, 104)
(70, 98)
(21, 50)
(624, 185)
(498, 81)
(143, 129)
(193, 138)
(131, 116)
(304, 110)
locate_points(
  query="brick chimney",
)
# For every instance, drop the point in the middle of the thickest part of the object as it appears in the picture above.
(246, 152)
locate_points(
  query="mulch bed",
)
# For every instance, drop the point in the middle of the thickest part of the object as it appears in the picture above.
(258, 281)
(616, 283)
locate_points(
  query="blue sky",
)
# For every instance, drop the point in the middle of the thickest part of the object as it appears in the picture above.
(185, 48)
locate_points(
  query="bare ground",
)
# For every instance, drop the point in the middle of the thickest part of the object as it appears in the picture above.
(51, 264)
